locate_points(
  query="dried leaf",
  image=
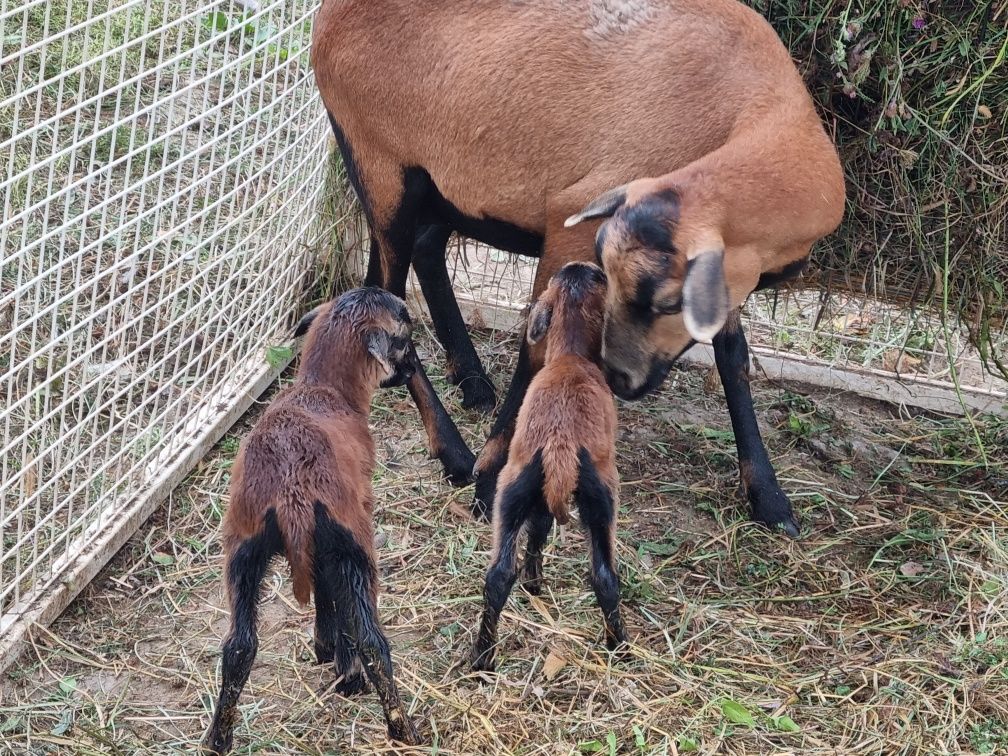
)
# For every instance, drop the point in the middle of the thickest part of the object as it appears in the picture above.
(911, 569)
(898, 361)
(983, 111)
(553, 664)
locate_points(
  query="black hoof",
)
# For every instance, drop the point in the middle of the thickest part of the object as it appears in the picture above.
(532, 579)
(458, 466)
(484, 660)
(351, 684)
(217, 743)
(477, 393)
(771, 506)
(403, 731)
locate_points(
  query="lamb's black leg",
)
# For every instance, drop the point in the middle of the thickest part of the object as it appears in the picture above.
(770, 505)
(540, 522)
(596, 503)
(333, 643)
(518, 499)
(464, 367)
(493, 457)
(349, 572)
(245, 570)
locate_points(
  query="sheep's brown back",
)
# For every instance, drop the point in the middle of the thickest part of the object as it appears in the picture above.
(307, 448)
(568, 407)
(376, 67)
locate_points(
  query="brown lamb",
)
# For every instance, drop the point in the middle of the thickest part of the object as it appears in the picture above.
(301, 487)
(563, 447)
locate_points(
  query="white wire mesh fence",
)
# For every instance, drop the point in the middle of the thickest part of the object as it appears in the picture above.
(162, 164)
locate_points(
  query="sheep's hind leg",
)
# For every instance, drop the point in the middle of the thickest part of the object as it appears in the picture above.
(393, 244)
(521, 493)
(332, 641)
(770, 505)
(596, 500)
(245, 571)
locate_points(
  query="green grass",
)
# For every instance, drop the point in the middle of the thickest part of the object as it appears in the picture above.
(914, 93)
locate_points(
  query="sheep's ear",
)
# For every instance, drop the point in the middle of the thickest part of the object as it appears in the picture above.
(539, 319)
(379, 346)
(705, 296)
(602, 206)
(309, 317)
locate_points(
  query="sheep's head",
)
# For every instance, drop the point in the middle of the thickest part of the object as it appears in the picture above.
(569, 312)
(655, 289)
(365, 326)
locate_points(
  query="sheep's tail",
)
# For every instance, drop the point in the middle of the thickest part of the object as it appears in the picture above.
(297, 530)
(560, 476)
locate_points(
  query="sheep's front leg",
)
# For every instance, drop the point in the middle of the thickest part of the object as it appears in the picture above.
(464, 367)
(770, 505)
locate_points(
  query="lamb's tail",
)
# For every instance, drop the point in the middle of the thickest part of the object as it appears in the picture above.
(297, 528)
(560, 472)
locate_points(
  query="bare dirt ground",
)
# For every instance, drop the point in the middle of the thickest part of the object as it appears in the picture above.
(883, 630)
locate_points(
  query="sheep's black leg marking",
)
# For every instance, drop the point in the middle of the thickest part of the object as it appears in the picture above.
(518, 501)
(464, 367)
(373, 277)
(596, 505)
(332, 639)
(443, 438)
(350, 575)
(494, 455)
(759, 482)
(326, 628)
(540, 522)
(245, 573)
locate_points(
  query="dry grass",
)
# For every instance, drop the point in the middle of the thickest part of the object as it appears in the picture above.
(882, 631)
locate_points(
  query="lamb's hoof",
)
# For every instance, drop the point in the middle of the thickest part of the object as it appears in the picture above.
(484, 660)
(351, 684)
(403, 731)
(217, 743)
(532, 579)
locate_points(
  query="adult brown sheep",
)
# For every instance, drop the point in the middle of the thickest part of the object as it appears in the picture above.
(511, 122)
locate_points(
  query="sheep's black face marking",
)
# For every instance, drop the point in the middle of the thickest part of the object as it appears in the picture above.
(600, 241)
(650, 222)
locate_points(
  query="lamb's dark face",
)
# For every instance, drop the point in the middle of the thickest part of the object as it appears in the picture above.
(371, 320)
(386, 330)
(658, 301)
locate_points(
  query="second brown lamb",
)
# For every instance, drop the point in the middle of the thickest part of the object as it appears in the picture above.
(563, 448)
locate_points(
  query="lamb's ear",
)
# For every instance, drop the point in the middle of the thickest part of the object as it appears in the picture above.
(539, 318)
(379, 345)
(602, 206)
(309, 317)
(705, 296)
